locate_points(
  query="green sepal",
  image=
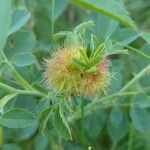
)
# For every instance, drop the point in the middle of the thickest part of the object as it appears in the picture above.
(89, 51)
(78, 64)
(99, 50)
(60, 35)
(84, 55)
(95, 60)
(80, 29)
(93, 42)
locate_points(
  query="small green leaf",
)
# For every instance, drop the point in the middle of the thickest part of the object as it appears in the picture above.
(26, 102)
(27, 132)
(108, 46)
(61, 34)
(61, 111)
(140, 118)
(116, 116)
(84, 55)
(20, 18)
(77, 63)
(80, 29)
(68, 106)
(99, 50)
(5, 21)
(61, 124)
(109, 8)
(22, 41)
(23, 59)
(125, 36)
(42, 105)
(17, 118)
(111, 49)
(93, 42)
(42, 141)
(117, 127)
(5, 100)
(94, 123)
(89, 51)
(43, 119)
(95, 60)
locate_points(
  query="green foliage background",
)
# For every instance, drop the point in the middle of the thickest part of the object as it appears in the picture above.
(31, 118)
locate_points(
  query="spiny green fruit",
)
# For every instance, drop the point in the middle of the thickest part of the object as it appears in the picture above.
(69, 71)
(60, 74)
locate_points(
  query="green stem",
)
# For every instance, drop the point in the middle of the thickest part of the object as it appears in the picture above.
(19, 79)
(22, 92)
(7, 88)
(137, 77)
(130, 142)
(52, 16)
(97, 104)
(137, 51)
(29, 90)
(33, 93)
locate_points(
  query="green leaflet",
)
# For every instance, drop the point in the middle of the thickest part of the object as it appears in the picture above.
(82, 27)
(44, 116)
(89, 64)
(5, 100)
(99, 50)
(140, 118)
(78, 64)
(5, 21)
(61, 34)
(117, 126)
(23, 59)
(75, 37)
(84, 55)
(109, 8)
(89, 51)
(19, 19)
(111, 49)
(60, 123)
(94, 123)
(17, 118)
(95, 60)
(93, 42)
